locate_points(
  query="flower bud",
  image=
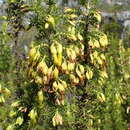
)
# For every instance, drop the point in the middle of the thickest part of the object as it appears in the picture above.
(57, 101)
(2, 99)
(101, 97)
(92, 58)
(62, 102)
(38, 80)
(40, 96)
(6, 92)
(46, 25)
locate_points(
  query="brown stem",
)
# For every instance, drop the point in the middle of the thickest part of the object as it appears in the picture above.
(17, 65)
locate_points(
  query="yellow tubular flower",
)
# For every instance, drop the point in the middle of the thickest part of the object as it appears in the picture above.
(91, 43)
(12, 113)
(103, 56)
(72, 78)
(81, 68)
(19, 121)
(103, 40)
(42, 67)
(71, 66)
(73, 54)
(99, 60)
(55, 73)
(57, 119)
(32, 53)
(64, 66)
(59, 48)
(77, 50)
(51, 20)
(67, 10)
(50, 72)
(89, 74)
(63, 83)
(55, 86)
(36, 58)
(61, 87)
(59, 61)
(46, 25)
(78, 72)
(68, 51)
(80, 37)
(33, 114)
(45, 80)
(72, 37)
(97, 16)
(53, 49)
(96, 43)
